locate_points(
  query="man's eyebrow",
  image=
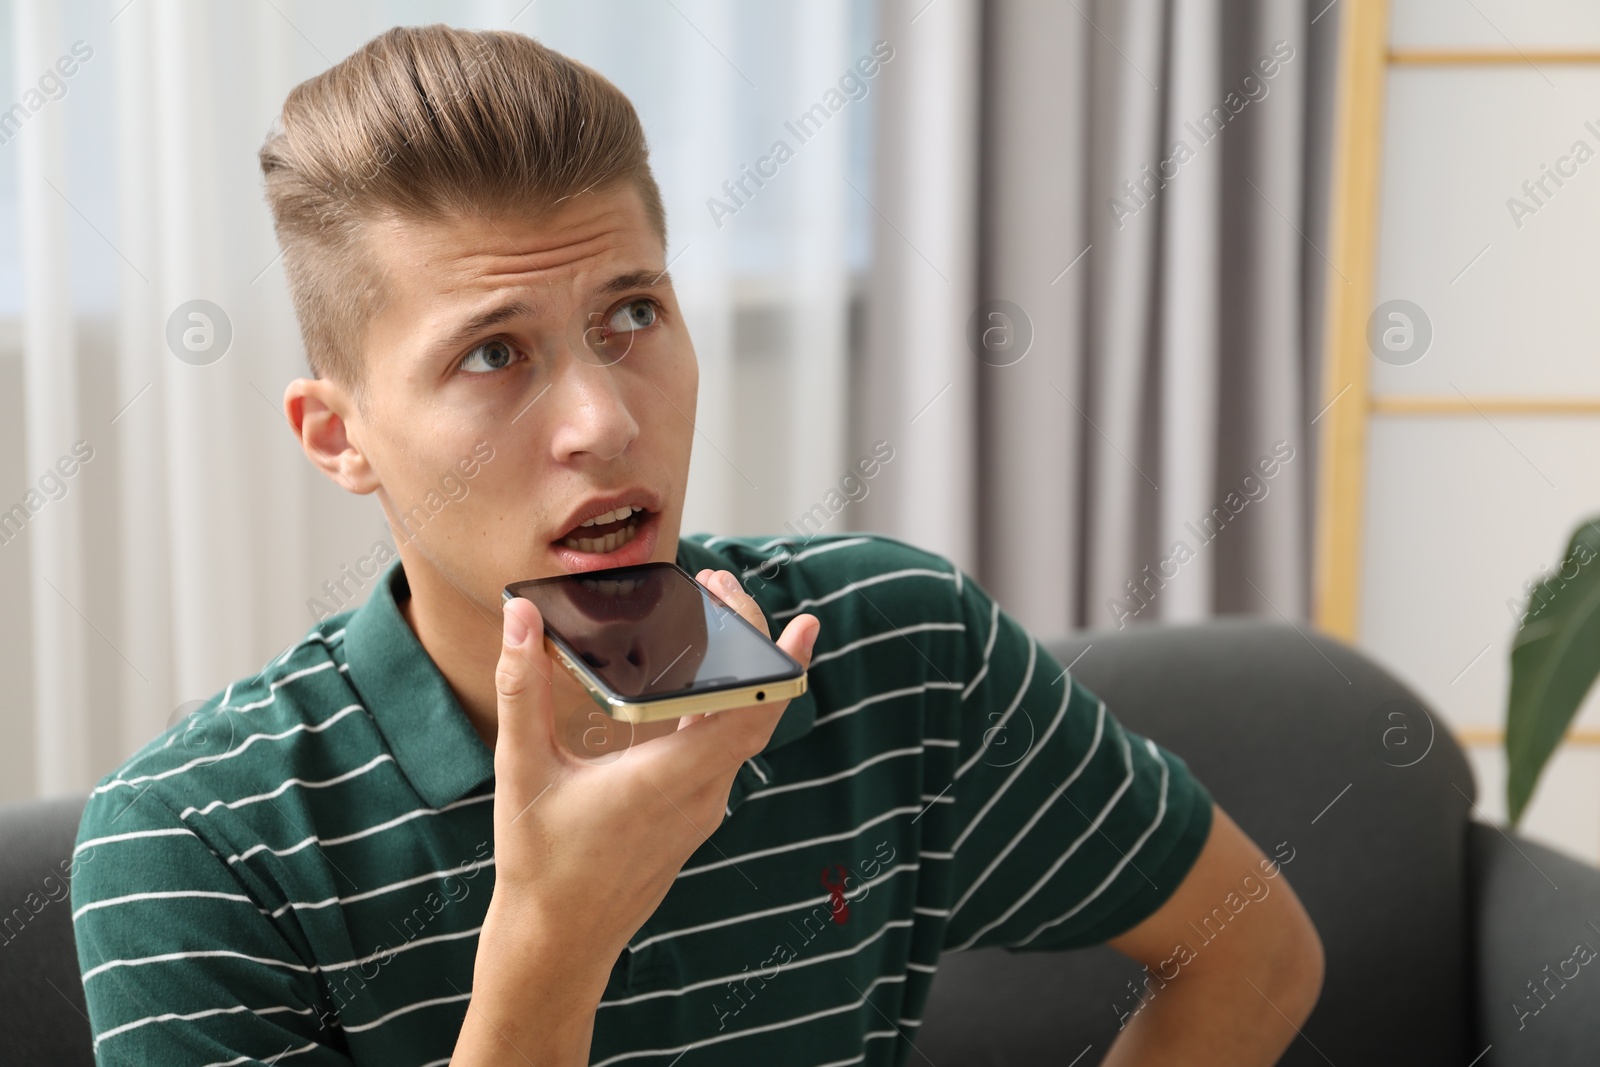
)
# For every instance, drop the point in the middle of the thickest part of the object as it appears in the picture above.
(486, 320)
(635, 279)
(482, 321)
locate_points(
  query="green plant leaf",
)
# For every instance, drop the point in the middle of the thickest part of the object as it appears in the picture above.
(1554, 660)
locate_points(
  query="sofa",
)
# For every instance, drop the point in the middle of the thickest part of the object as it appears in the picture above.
(1438, 926)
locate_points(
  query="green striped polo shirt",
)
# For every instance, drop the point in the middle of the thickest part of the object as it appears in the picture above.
(298, 871)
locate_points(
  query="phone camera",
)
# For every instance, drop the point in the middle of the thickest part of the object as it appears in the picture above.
(761, 694)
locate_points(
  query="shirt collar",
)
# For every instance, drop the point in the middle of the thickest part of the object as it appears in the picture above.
(433, 740)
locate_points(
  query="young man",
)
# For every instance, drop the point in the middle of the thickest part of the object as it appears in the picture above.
(410, 840)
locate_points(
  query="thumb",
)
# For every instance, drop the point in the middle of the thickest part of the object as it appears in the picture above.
(522, 681)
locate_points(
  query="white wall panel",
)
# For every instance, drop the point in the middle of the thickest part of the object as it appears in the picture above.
(1523, 318)
(1489, 24)
(1461, 511)
(1459, 515)
(1457, 519)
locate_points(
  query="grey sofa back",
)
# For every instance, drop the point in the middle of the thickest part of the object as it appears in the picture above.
(44, 1010)
(1279, 725)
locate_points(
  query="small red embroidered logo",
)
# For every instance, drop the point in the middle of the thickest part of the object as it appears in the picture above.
(835, 888)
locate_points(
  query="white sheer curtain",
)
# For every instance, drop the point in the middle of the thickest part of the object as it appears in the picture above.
(184, 553)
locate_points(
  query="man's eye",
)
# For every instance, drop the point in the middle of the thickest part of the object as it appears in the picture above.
(489, 356)
(634, 315)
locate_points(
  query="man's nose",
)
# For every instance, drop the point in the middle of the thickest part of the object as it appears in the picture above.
(595, 417)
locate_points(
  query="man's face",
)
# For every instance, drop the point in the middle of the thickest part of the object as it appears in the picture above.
(552, 344)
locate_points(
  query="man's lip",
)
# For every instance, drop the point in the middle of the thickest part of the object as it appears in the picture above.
(599, 505)
(639, 550)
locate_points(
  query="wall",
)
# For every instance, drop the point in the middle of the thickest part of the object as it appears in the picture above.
(1462, 509)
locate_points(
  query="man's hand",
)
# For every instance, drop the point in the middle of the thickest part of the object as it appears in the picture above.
(585, 851)
(1238, 998)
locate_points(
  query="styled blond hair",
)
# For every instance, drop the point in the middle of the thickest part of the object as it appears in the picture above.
(431, 123)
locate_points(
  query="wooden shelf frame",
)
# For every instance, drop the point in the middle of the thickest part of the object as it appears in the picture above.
(1353, 254)
(1527, 406)
(1467, 57)
(1494, 737)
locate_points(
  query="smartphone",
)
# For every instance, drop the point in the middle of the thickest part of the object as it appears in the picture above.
(649, 642)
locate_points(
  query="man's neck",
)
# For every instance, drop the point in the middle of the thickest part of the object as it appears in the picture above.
(463, 641)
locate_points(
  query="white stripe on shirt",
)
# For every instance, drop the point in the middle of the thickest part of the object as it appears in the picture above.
(728, 861)
(384, 954)
(176, 831)
(380, 1020)
(301, 727)
(273, 687)
(897, 632)
(164, 894)
(892, 924)
(994, 798)
(1058, 793)
(888, 576)
(999, 727)
(167, 1017)
(326, 639)
(278, 1058)
(311, 905)
(204, 954)
(988, 649)
(768, 1028)
(416, 813)
(825, 898)
(1161, 811)
(787, 558)
(1094, 827)
(847, 773)
(891, 694)
(278, 791)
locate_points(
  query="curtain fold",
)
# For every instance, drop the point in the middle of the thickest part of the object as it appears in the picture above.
(144, 565)
(1139, 319)
(919, 375)
(58, 580)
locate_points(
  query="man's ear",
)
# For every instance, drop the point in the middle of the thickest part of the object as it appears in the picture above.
(320, 412)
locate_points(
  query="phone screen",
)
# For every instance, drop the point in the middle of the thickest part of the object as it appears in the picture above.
(652, 631)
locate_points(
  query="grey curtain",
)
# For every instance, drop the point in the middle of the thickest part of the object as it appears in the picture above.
(1115, 261)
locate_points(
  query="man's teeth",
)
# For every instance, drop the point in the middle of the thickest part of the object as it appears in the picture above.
(609, 543)
(611, 516)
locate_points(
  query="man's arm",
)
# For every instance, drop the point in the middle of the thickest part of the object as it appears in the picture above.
(1240, 998)
(179, 961)
(1073, 831)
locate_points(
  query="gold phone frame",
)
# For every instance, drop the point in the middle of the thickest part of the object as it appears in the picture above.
(641, 711)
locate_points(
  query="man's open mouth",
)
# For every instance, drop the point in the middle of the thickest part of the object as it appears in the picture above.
(622, 536)
(608, 532)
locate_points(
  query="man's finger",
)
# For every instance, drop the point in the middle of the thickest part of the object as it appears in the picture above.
(749, 728)
(728, 589)
(522, 682)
